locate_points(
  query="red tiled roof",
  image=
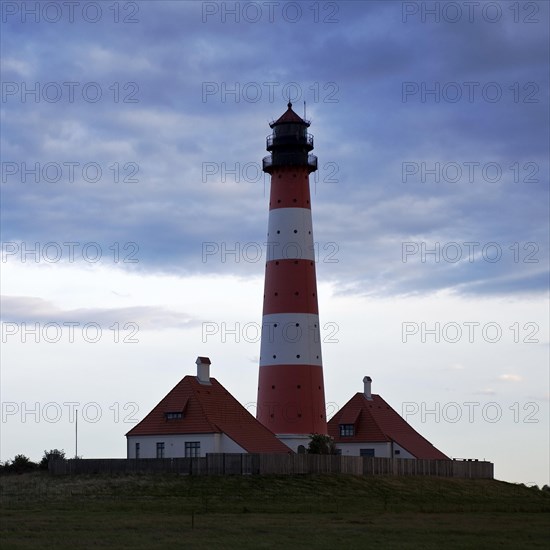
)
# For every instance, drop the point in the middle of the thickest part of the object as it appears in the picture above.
(350, 415)
(378, 422)
(208, 408)
(289, 116)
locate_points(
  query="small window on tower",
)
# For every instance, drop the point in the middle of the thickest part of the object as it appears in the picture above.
(173, 415)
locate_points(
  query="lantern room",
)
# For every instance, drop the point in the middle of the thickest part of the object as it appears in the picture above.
(289, 144)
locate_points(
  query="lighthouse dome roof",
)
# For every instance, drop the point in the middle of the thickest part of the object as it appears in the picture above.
(289, 116)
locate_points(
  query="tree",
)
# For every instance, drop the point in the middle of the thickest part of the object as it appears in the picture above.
(22, 463)
(52, 453)
(321, 444)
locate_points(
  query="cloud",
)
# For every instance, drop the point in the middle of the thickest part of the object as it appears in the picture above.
(366, 132)
(511, 377)
(29, 310)
(486, 391)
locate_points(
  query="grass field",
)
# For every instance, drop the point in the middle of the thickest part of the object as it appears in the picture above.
(242, 512)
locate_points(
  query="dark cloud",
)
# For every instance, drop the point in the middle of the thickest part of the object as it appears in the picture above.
(351, 73)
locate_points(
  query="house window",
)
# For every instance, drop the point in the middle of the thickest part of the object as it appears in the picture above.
(366, 452)
(160, 449)
(397, 452)
(346, 430)
(173, 415)
(192, 449)
(137, 450)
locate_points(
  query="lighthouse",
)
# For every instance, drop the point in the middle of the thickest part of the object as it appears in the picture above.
(291, 395)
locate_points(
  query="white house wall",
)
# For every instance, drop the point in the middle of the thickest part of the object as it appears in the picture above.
(403, 453)
(293, 441)
(380, 449)
(228, 445)
(352, 449)
(174, 445)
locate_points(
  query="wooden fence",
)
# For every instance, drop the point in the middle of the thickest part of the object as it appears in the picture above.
(279, 464)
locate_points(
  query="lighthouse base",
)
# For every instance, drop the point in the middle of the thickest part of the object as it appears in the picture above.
(295, 442)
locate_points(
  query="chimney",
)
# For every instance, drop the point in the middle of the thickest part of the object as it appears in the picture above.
(367, 382)
(203, 370)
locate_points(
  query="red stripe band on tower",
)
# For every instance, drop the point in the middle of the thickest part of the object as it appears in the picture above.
(289, 188)
(290, 287)
(291, 399)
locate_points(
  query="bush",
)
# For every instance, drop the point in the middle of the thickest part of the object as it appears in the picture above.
(321, 444)
(19, 465)
(52, 453)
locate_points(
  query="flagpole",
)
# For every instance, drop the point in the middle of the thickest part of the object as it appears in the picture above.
(76, 435)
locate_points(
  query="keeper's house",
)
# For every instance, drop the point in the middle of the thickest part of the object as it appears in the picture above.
(200, 416)
(367, 426)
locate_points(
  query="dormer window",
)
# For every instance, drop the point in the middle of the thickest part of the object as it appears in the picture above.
(173, 415)
(347, 430)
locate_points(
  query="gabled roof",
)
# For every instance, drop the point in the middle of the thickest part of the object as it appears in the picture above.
(375, 421)
(208, 408)
(289, 116)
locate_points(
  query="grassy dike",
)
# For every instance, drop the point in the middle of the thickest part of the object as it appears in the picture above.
(241, 512)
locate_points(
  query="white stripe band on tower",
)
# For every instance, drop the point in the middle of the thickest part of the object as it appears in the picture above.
(290, 339)
(290, 234)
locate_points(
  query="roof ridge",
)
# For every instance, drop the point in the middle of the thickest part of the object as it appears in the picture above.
(407, 426)
(227, 428)
(204, 412)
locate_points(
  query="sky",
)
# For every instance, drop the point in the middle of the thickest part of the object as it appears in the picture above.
(134, 211)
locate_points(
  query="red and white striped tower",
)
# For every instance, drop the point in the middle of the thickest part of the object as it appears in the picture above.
(291, 395)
